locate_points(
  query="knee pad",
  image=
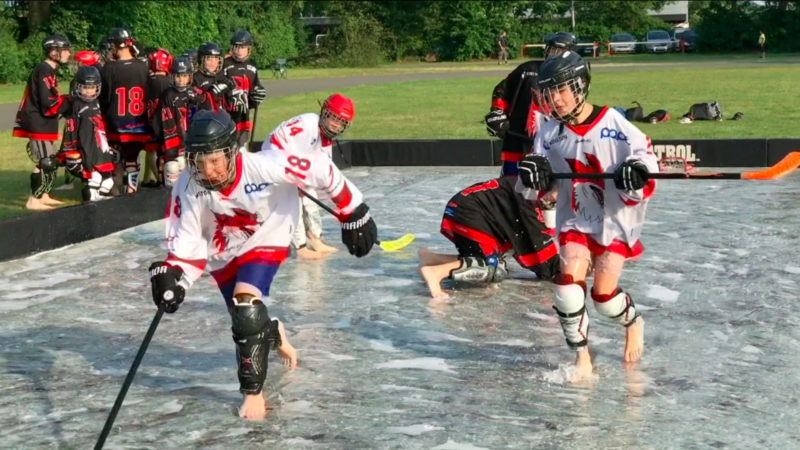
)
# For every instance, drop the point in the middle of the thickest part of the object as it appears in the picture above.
(73, 162)
(475, 269)
(618, 306)
(132, 175)
(172, 172)
(570, 305)
(253, 332)
(98, 187)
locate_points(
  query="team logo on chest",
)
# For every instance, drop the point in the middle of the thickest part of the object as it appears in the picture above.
(587, 192)
(241, 224)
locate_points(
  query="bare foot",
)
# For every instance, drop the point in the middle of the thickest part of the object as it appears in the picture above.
(583, 366)
(433, 276)
(308, 254)
(286, 351)
(321, 246)
(48, 200)
(36, 204)
(254, 407)
(634, 340)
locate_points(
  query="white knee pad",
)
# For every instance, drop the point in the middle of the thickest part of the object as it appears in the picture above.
(617, 306)
(99, 187)
(132, 176)
(172, 171)
(181, 163)
(570, 304)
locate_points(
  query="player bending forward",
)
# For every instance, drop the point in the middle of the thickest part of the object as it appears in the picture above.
(598, 222)
(234, 212)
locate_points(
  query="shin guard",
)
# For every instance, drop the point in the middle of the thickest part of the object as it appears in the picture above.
(618, 306)
(254, 332)
(570, 305)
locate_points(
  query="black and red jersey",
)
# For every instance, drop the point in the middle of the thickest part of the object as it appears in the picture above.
(174, 114)
(210, 100)
(498, 219)
(245, 75)
(37, 116)
(85, 132)
(124, 100)
(157, 84)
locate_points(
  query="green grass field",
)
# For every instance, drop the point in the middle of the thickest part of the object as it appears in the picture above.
(442, 109)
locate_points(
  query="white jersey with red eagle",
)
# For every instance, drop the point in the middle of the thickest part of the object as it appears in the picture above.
(595, 206)
(256, 215)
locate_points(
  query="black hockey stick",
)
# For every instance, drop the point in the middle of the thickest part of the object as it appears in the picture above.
(389, 246)
(785, 166)
(129, 379)
(253, 130)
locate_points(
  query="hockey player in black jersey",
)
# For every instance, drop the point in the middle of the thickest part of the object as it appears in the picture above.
(485, 221)
(160, 62)
(249, 92)
(173, 115)
(209, 78)
(84, 150)
(514, 116)
(124, 103)
(37, 118)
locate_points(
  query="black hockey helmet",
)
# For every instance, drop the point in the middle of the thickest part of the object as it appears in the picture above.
(210, 133)
(182, 66)
(207, 51)
(558, 43)
(55, 42)
(88, 76)
(241, 38)
(192, 55)
(120, 37)
(565, 71)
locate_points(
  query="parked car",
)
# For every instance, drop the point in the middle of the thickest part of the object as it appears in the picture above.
(658, 41)
(622, 43)
(687, 36)
(586, 47)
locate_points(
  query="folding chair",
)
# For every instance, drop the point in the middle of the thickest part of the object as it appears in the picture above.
(280, 68)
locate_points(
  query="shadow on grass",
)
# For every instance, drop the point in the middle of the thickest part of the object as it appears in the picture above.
(16, 187)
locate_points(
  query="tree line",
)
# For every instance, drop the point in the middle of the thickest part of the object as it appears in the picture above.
(373, 32)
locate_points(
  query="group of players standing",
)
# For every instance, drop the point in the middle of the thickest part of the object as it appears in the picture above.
(123, 102)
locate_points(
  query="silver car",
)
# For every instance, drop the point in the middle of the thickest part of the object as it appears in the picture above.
(622, 43)
(658, 41)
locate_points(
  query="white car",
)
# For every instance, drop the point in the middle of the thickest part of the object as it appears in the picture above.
(658, 41)
(622, 43)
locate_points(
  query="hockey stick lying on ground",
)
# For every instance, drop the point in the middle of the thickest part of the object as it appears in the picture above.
(389, 246)
(128, 379)
(784, 167)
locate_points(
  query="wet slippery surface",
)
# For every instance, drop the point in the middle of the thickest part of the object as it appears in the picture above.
(381, 368)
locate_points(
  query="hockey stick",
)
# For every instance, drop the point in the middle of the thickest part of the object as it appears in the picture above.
(128, 380)
(784, 167)
(253, 129)
(388, 246)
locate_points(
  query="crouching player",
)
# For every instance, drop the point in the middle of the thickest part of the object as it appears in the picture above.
(234, 212)
(484, 221)
(598, 222)
(84, 150)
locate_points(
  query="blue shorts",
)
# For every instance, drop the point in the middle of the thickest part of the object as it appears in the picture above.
(257, 268)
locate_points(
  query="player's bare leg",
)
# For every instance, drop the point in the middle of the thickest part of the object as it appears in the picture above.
(433, 276)
(583, 365)
(254, 407)
(319, 245)
(286, 350)
(310, 254)
(430, 258)
(634, 341)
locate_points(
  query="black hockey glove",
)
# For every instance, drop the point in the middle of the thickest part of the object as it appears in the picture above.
(631, 175)
(359, 232)
(166, 290)
(222, 86)
(49, 163)
(258, 95)
(535, 172)
(238, 100)
(497, 123)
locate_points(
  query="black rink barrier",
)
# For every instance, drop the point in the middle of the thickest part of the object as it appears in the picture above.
(39, 231)
(48, 230)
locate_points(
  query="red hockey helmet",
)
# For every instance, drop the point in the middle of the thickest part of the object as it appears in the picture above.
(160, 61)
(87, 58)
(337, 113)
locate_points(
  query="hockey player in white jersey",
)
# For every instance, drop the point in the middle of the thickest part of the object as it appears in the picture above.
(312, 133)
(233, 213)
(598, 222)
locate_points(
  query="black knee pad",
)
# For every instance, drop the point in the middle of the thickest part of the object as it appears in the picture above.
(254, 333)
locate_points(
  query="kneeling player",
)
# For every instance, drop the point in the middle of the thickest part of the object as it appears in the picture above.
(234, 212)
(484, 221)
